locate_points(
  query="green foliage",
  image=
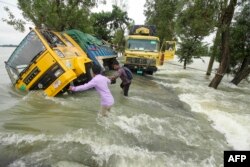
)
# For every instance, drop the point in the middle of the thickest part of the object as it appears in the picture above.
(100, 24)
(18, 24)
(191, 48)
(119, 40)
(58, 15)
(111, 26)
(197, 18)
(195, 21)
(162, 13)
(240, 39)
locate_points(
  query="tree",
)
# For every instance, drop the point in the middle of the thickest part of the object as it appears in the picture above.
(194, 22)
(58, 15)
(18, 24)
(119, 40)
(225, 21)
(162, 14)
(107, 25)
(190, 48)
(240, 46)
(100, 22)
(214, 53)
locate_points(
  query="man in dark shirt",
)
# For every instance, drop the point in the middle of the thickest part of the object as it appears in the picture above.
(122, 74)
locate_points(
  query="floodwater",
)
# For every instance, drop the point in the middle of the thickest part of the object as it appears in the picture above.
(170, 119)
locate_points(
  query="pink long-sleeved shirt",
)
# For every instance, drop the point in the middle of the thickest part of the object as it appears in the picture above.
(100, 83)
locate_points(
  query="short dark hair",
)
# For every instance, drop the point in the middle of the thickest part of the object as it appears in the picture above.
(115, 63)
(96, 69)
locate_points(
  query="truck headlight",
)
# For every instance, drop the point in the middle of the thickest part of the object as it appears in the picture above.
(58, 72)
(56, 84)
(59, 53)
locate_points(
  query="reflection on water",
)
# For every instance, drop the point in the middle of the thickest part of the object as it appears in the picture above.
(169, 119)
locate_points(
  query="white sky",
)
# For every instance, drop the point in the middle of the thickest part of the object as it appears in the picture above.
(8, 35)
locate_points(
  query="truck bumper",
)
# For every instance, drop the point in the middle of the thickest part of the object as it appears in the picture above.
(142, 68)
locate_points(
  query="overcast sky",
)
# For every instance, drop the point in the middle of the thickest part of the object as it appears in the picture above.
(8, 35)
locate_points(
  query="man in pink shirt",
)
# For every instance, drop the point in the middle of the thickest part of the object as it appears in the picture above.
(100, 83)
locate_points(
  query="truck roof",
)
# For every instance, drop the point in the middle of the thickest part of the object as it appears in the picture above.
(143, 37)
(143, 30)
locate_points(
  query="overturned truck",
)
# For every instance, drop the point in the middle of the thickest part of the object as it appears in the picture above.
(49, 61)
(98, 50)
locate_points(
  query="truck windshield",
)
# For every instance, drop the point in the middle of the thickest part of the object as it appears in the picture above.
(29, 49)
(142, 44)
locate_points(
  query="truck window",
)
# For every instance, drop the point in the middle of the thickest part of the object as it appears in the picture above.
(29, 48)
(170, 46)
(143, 45)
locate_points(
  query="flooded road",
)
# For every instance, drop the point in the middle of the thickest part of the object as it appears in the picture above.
(170, 119)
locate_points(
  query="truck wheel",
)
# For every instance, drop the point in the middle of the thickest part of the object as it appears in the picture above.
(150, 72)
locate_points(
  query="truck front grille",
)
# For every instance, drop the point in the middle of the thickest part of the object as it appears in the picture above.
(31, 76)
(47, 78)
(141, 61)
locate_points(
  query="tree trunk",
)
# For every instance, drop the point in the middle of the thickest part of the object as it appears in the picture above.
(243, 72)
(242, 75)
(210, 65)
(224, 61)
(211, 60)
(226, 20)
(185, 64)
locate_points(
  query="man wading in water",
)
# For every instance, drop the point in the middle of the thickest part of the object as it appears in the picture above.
(100, 83)
(126, 81)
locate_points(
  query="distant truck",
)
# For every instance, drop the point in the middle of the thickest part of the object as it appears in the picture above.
(143, 52)
(49, 61)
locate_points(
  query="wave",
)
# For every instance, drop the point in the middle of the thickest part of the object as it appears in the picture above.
(226, 107)
(101, 147)
(234, 126)
(104, 153)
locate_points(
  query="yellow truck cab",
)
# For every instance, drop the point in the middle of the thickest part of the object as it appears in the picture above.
(142, 50)
(49, 61)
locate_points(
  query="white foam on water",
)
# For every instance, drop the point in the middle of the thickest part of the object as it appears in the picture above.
(143, 126)
(33, 159)
(18, 163)
(67, 164)
(14, 138)
(234, 126)
(113, 154)
(226, 109)
(56, 100)
(161, 160)
(171, 85)
(135, 124)
(173, 161)
(40, 96)
(147, 101)
(243, 86)
(100, 146)
(104, 150)
(124, 124)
